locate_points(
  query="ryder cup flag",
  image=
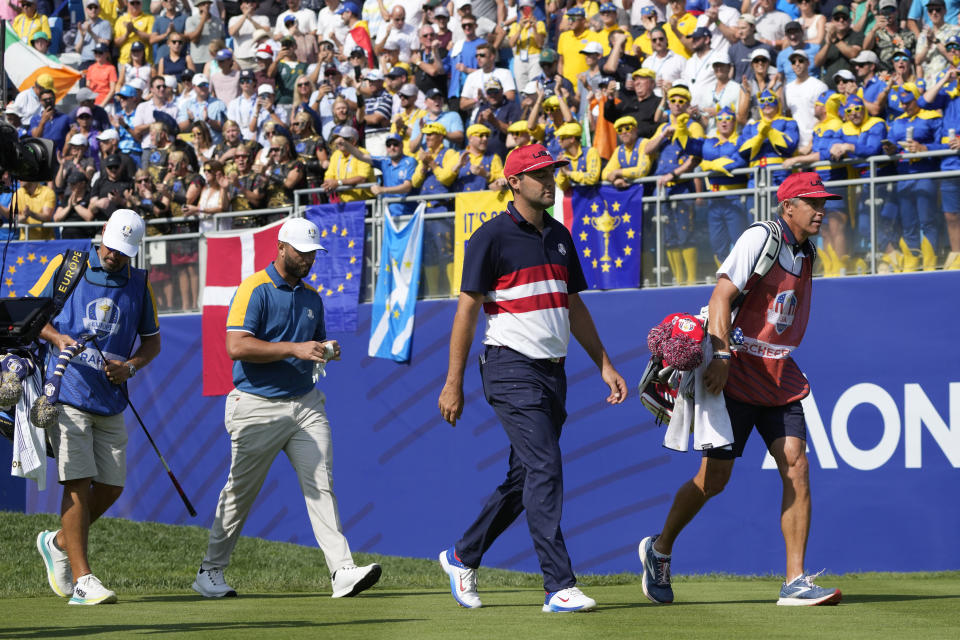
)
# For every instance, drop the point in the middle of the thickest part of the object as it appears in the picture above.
(24, 65)
(605, 226)
(227, 258)
(394, 302)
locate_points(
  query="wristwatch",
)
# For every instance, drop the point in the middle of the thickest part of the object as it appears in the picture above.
(132, 369)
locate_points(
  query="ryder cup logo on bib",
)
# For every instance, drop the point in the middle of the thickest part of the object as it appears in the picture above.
(102, 316)
(781, 312)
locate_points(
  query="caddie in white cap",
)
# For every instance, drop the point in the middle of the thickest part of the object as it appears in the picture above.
(114, 303)
(278, 341)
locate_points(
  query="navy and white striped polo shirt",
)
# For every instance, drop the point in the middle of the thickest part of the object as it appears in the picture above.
(526, 277)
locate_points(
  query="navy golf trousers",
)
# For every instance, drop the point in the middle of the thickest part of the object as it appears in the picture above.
(528, 397)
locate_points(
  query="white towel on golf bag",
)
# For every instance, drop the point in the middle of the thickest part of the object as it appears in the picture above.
(29, 442)
(699, 411)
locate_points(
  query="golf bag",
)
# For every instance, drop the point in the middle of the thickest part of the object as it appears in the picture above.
(671, 342)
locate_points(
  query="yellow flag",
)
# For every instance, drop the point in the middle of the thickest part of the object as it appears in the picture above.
(472, 209)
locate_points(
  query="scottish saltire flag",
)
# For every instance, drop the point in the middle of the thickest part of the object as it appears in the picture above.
(606, 224)
(336, 274)
(395, 299)
(26, 262)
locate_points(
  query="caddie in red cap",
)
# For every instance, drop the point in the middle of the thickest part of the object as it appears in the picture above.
(767, 300)
(522, 268)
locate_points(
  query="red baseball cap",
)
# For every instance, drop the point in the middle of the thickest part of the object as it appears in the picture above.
(804, 185)
(530, 158)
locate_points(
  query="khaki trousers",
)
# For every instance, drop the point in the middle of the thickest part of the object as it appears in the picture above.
(259, 429)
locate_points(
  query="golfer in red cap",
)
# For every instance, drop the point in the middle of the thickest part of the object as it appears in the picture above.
(522, 268)
(761, 384)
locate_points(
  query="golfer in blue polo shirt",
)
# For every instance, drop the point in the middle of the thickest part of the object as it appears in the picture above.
(276, 338)
(522, 268)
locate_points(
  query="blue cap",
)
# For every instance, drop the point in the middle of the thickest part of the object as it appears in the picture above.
(648, 10)
(824, 96)
(853, 100)
(953, 40)
(606, 7)
(700, 32)
(393, 137)
(726, 111)
(349, 6)
(576, 12)
(127, 91)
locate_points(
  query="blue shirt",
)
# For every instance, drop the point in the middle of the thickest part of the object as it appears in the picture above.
(395, 175)
(56, 129)
(449, 119)
(193, 110)
(160, 24)
(268, 308)
(784, 66)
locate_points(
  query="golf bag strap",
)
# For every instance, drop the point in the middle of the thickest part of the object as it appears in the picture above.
(68, 276)
(767, 258)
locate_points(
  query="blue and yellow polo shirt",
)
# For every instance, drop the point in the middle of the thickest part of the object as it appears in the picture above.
(271, 310)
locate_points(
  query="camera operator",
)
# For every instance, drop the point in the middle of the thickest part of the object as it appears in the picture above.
(50, 123)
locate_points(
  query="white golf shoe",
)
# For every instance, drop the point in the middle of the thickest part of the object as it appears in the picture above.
(463, 580)
(350, 580)
(88, 590)
(568, 600)
(210, 583)
(56, 563)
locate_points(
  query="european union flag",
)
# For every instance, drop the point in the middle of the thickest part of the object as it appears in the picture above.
(336, 274)
(26, 262)
(398, 282)
(606, 232)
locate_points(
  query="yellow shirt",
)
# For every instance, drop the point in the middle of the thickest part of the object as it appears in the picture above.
(43, 197)
(568, 48)
(404, 131)
(685, 26)
(527, 42)
(343, 166)
(143, 23)
(25, 27)
(590, 176)
(639, 169)
(109, 9)
(444, 168)
(603, 37)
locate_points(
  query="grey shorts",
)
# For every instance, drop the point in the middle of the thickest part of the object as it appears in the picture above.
(88, 445)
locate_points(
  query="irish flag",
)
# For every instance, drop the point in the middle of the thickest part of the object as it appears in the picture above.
(24, 65)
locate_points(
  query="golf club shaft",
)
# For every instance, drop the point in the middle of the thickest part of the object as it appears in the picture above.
(173, 478)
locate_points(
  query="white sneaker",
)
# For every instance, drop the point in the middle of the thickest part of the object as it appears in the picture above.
(88, 590)
(463, 580)
(211, 584)
(57, 564)
(350, 580)
(568, 600)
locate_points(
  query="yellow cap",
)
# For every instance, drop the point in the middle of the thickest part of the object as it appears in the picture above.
(624, 121)
(45, 81)
(569, 129)
(679, 91)
(645, 73)
(434, 127)
(520, 126)
(551, 103)
(477, 129)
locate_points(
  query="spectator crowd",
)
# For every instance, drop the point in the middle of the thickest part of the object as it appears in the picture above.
(189, 108)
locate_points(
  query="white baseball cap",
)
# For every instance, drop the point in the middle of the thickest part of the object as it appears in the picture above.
(592, 47)
(108, 134)
(78, 140)
(124, 232)
(301, 234)
(264, 88)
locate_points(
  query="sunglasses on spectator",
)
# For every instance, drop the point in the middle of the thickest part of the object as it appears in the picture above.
(724, 118)
(176, 42)
(481, 55)
(482, 135)
(276, 149)
(241, 155)
(934, 9)
(303, 84)
(841, 17)
(84, 115)
(393, 143)
(768, 101)
(678, 101)
(624, 128)
(953, 47)
(756, 60)
(901, 58)
(799, 61)
(657, 39)
(142, 180)
(550, 109)
(855, 108)
(468, 24)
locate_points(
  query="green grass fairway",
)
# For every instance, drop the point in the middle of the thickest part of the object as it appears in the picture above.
(285, 594)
